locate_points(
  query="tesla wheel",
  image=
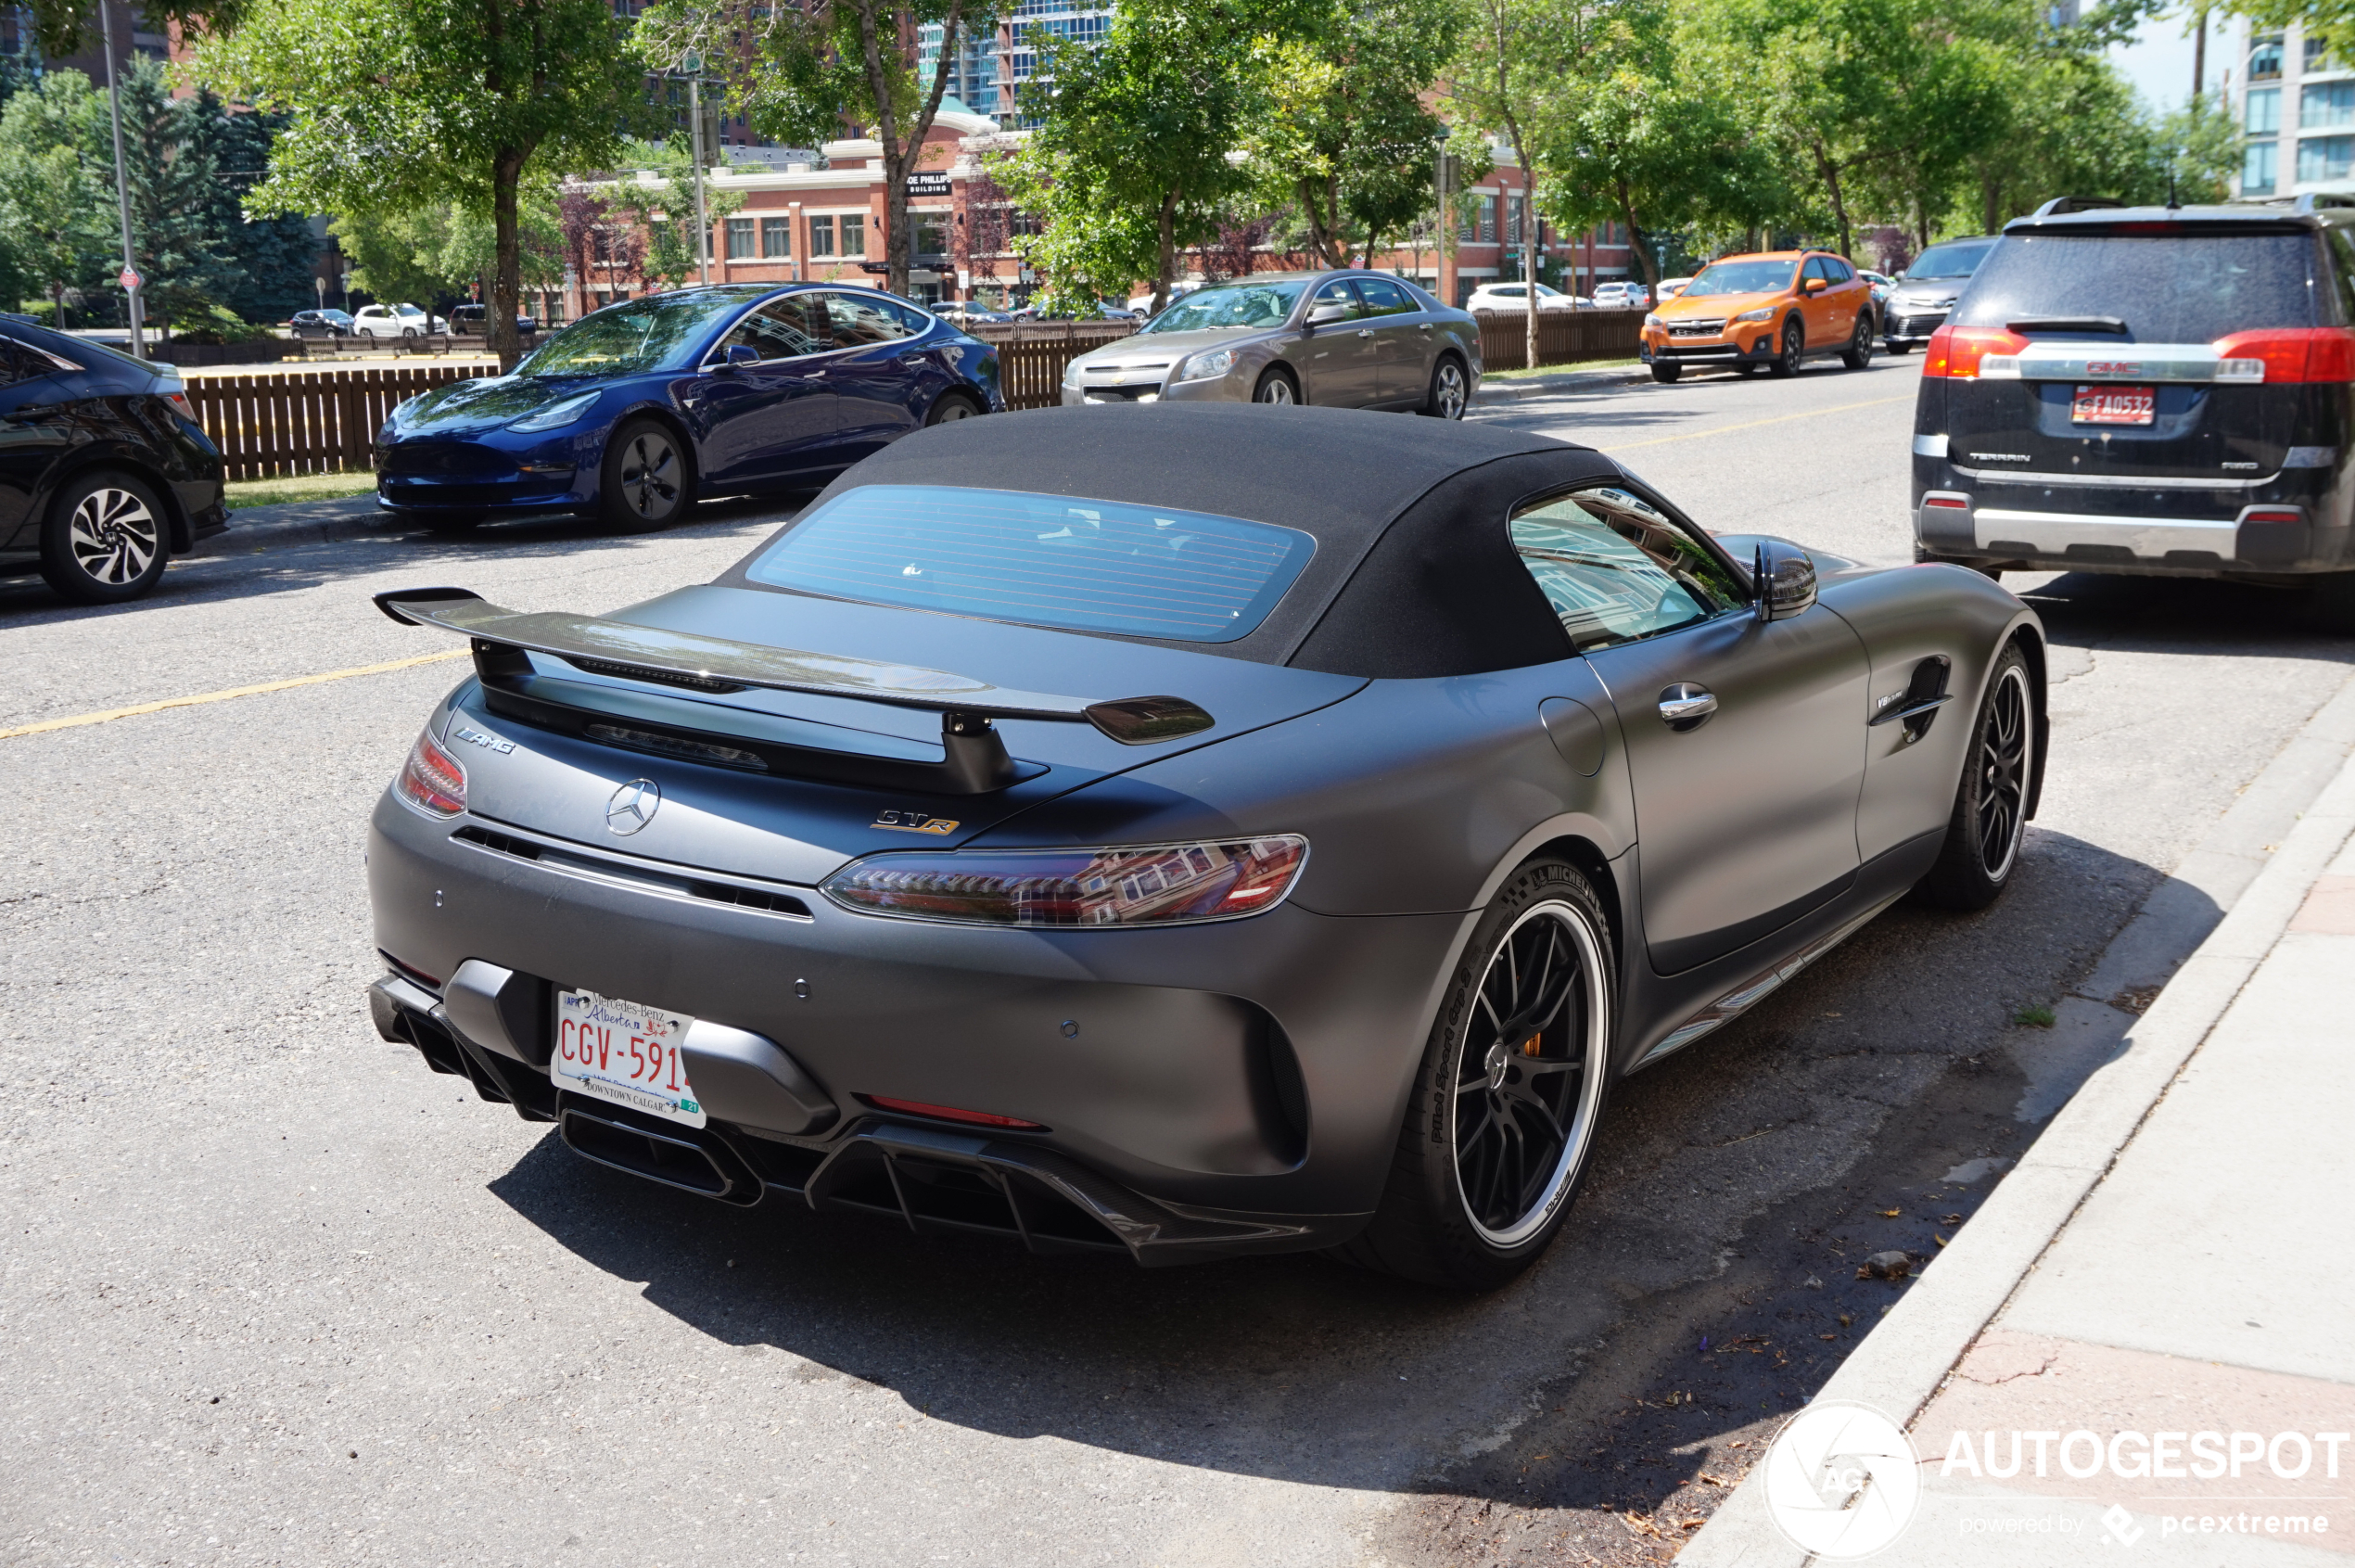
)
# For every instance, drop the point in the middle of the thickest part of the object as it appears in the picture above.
(1450, 390)
(1794, 348)
(1276, 386)
(644, 481)
(1859, 352)
(951, 405)
(1502, 1119)
(104, 541)
(1990, 804)
(1666, 374)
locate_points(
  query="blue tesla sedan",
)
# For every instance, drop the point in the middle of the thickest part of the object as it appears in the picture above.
(633, 413)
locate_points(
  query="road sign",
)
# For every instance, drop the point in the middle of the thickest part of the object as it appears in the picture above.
(128, 278)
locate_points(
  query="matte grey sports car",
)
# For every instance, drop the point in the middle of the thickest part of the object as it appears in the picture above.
(1190, 831)
(1343, 339)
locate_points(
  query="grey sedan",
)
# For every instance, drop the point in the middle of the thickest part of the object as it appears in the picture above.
(1346, 339)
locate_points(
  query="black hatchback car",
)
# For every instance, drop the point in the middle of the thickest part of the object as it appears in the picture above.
(104, 470)
(320, 324)
(2152, 391)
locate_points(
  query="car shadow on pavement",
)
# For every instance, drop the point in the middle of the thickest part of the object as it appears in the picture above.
(312, 545)
(1306, 1370)
(2182, 615)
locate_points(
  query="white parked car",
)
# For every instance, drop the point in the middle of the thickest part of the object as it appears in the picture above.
(396, 321)
(1621, 296)
(1511, 297)
(1671, 287)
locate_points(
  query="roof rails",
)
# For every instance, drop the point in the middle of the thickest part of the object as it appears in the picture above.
(2062, 204)
(2316, 201)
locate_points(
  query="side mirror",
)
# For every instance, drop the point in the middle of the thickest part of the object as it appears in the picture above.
(1321, 316)
(1783, 578)
(1813, 286)
(740, 355)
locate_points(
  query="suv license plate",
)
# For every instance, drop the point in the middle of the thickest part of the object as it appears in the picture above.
(623, 1051)
(2114, 405)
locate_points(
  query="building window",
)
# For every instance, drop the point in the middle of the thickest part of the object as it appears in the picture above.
(2326, 103)
(2265, 60)
(2316, 59)
(821, 236)
(2257, 169)
(2326, 157)
(932, 234)
(1513, 206)
(776, 238)
(854, 233)
(1487, 219)
(740, 239)
(2265, 110)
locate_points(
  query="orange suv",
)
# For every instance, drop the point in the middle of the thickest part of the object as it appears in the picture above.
(1776, 309)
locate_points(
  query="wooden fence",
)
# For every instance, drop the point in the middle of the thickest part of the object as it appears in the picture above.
(309, 422)
(322, 421)
(1564, 337)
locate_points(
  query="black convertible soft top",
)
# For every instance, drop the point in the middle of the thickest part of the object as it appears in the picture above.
(1414, 574)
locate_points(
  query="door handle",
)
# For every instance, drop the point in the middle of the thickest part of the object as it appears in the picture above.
(1685, 705)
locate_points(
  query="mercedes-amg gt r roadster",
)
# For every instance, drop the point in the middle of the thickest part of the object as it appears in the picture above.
(1186, 830)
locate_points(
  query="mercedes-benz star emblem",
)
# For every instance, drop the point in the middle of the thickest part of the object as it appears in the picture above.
(633, 805)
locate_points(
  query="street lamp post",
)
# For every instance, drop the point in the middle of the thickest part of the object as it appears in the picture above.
(132, 282)
(795, 237)
(693, 66)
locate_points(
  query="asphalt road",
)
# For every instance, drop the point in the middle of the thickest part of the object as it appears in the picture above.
(274, 1293)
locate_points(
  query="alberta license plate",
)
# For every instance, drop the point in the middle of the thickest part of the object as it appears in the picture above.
(624, 1051)
(2114, 405)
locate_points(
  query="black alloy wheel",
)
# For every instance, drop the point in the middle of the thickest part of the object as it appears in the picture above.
(1276, 386)
(1990, 820)
(1450, 390)
(951, 405)
(1859, 352)
(1794, 348)
(1501, 1125)
(104, 541)
(644, 483)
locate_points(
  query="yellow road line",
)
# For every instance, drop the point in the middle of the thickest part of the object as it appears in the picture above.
(1749, 423)
(79, 719)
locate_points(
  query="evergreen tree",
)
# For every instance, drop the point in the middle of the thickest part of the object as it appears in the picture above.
(274, 255)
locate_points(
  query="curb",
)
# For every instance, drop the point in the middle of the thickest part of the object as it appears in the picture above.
(1562, 381)
(1905, 1360)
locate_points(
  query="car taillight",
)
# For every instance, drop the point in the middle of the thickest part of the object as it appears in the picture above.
(950, 1114)
(432, 778)
(1956, 351)
(1144, 884)
(180, 402)
(2290, 354)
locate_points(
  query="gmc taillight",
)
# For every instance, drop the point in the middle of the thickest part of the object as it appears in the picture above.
(1954, 351)
(2295, 354)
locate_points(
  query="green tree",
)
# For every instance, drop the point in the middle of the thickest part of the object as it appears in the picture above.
(274, 255)
(818, 64)
(399, 104)
(54, 209)
(657, 190)
(1343, 134)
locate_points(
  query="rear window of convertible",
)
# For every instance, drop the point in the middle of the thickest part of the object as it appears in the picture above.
(1041, 560)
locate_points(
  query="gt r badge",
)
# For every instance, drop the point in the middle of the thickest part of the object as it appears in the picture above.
(914, 822)
(633, 805)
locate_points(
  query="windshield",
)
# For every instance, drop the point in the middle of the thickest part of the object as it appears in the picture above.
(1959, 260)
(2180, 287)
(1041, 560)
(1233, 304)
(658, 332)
(1741, 278)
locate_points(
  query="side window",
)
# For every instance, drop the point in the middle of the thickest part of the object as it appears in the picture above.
(1338, 292)
(856, 322)
(1383, 298)
(15, 364)
(1836, 269)
(1814, 268)
(1615, 568)
(778, 330)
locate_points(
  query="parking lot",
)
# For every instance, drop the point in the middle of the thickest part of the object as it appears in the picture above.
(274, 1293)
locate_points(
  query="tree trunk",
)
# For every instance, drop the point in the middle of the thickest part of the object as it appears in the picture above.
(1991, 198)
(507, 290)
(1635, 246)
(1830, 173)
(902, 155)
(1529, 269)
(1166, 259)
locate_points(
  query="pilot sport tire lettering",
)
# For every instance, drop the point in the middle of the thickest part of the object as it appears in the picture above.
(1859, 352)
(1501, 1124)
(1793, 350)
(1450, 390)
(1983, 837)
(106, 538)
(1666, 374)
(1276, 386)
(645, 483)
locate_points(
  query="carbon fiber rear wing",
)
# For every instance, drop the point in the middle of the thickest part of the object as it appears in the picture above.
(976, 758)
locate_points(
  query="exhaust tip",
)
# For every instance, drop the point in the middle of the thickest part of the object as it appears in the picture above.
(681, 1161)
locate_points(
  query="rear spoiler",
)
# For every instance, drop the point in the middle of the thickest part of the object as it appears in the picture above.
(977, 757)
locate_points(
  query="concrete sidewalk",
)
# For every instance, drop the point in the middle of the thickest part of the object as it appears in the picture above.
(2168, 1275)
